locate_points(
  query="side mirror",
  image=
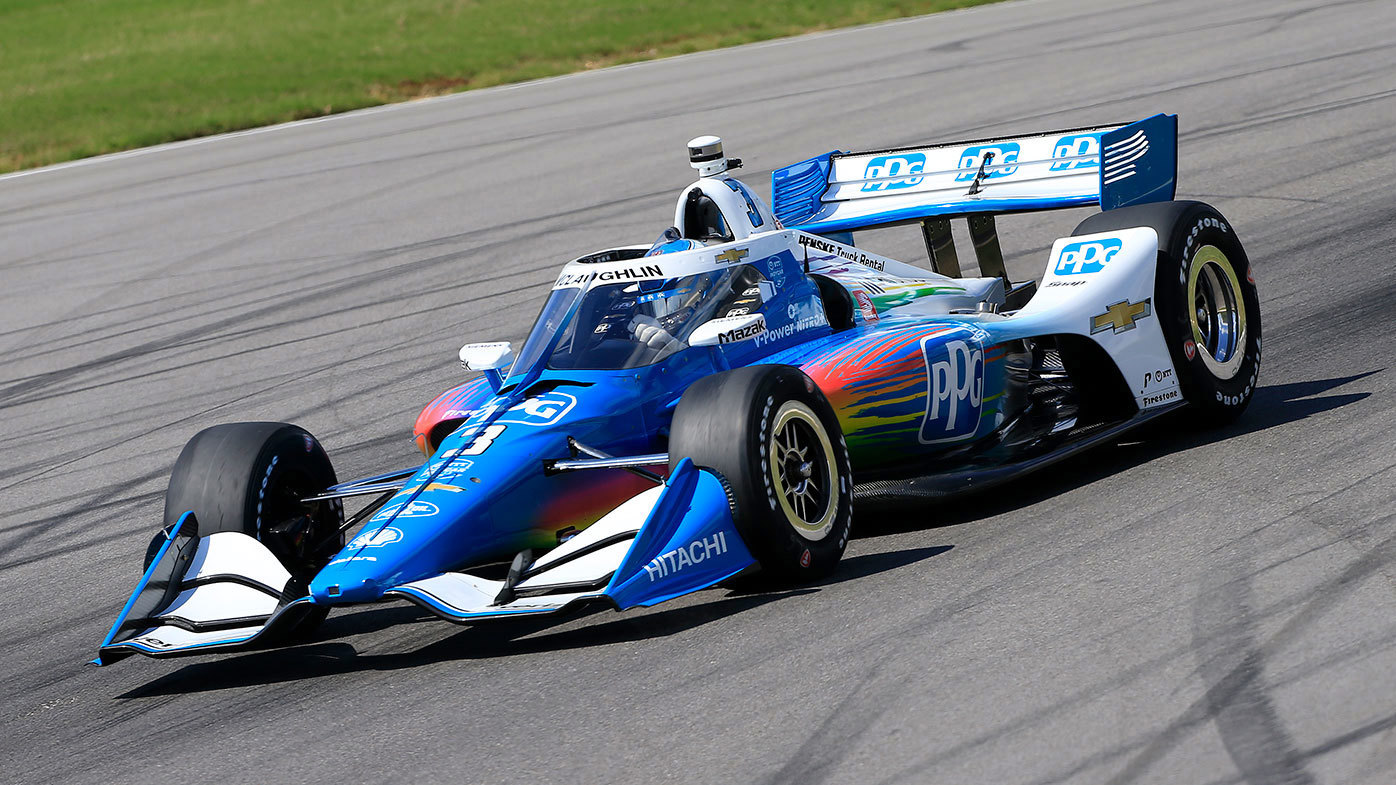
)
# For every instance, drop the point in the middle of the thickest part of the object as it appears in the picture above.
(728, 329)
(488, 357)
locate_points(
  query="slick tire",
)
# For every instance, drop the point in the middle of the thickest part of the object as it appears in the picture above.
(1206, 302)
(249, 478)
(774, 438)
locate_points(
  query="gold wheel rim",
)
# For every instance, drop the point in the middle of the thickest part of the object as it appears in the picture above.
(803, 472)
(1217, 312)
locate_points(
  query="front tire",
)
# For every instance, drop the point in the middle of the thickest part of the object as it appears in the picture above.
(250, 477)
(774, 438)
(1206, 300)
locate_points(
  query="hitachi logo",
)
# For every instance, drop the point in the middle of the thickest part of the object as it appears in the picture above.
(699, 550)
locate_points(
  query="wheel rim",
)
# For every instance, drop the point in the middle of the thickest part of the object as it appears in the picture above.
(1217, 312)
(802, 471)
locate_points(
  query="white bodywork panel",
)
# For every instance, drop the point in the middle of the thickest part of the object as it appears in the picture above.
(465, 596)
(1090, 279)
(591, 567)
(1056, 165)
(157, 639)
(235, 553)
(221, 601)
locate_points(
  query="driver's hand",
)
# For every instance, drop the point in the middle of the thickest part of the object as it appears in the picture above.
(648, 332)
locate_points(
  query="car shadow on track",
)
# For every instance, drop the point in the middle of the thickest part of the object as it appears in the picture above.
(327, 657)
(1271, 406)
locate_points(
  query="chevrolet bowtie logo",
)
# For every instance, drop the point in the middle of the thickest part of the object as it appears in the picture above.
(733, 255)
(1121, 316)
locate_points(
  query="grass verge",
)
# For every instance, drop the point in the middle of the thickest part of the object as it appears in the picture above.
(83, 77)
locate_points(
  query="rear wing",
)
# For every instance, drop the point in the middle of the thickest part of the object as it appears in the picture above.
(1112, 166)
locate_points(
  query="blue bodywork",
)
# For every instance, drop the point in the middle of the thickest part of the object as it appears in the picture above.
(484, 495)
(905, 386)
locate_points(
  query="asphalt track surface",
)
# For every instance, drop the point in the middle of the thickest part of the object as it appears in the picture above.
(1199, 607)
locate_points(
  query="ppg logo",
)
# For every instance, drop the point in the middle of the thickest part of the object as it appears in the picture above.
(907, 167)
(1089, 256)
(544, 409)
(973, 157)
(1074, 147)
(955, 394)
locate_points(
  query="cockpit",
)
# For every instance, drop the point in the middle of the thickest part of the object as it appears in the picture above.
(633, 324)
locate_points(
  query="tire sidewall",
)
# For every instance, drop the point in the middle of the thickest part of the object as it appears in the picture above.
(725, 423)
(1197, 228)
(782, 542)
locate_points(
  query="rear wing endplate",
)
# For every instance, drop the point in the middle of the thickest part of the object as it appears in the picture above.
(1113, 166)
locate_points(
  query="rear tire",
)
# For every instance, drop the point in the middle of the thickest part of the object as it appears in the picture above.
(1206, 300)
(774, 438)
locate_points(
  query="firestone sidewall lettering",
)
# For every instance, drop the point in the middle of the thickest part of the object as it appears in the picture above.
(1191, 242)
(696, 552)
(955, 399)
(973, 157)
(907, 167)
(1088, 256)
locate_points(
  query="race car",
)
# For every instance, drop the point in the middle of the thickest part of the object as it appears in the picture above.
(720, 400)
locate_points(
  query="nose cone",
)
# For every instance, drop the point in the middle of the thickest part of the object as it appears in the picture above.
(340, 583)
(428, 528)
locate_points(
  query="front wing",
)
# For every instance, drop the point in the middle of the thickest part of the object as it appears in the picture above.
(227, 591)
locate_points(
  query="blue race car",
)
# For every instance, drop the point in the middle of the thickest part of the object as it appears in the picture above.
(719, 400)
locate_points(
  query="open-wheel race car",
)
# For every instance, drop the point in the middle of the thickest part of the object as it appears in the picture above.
(721, 399)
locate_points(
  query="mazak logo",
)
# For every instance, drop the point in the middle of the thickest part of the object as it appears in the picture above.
(742, 333)
(540, 410)
(1089, 256)
(1077, 151)
(955, 390)
(905, 168)
(973, 157)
